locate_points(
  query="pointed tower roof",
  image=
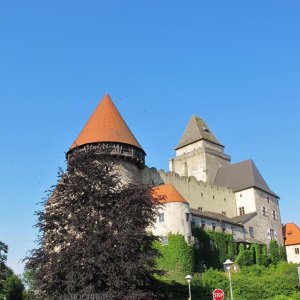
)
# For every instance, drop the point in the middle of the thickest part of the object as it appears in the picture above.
(106, 125)
(195, 131)
(169, 193)
(242, 176)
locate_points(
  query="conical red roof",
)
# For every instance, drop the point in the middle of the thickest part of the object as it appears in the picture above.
(169, 192)
(106, 125)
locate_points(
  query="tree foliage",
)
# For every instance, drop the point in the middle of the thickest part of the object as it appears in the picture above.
(93, 233)
(11, 286)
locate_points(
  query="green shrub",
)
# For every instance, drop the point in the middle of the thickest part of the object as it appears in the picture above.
(177, 258)
(214, 249)
(274, 252)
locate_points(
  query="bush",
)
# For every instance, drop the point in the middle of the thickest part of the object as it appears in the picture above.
(258, 282)
(274, 252)
(177, 258)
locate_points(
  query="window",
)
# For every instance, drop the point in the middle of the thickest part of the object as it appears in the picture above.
(213, 226)
(274, 215)
(226, 247)
(193, 223)
(224, 199)
(202, 224)
(224, 213)
(264, 211)
(164, 240)
(213, 197)
(187, 216)
(200, 208)
(251, 232)
(161, 217)
(242, 210)
(272, 234)
(223, 228)
(241, 195)
(296, 250)
(268, 199)
(232, 230)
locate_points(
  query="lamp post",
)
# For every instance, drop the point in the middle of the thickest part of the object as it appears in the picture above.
(227, 265)
(189, 279)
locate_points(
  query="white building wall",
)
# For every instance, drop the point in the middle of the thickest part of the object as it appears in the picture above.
(292, 256)
(176, 220)
(245, 199)
(236, 231)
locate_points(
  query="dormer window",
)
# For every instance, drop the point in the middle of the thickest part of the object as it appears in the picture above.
(206, 129)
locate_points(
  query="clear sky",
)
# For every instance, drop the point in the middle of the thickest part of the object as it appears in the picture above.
(236, 64)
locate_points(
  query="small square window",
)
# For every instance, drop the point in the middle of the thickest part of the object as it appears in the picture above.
(242, 210)
(213, 226)
(161, 217)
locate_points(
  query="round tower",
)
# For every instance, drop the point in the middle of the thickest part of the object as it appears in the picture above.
(107, 131)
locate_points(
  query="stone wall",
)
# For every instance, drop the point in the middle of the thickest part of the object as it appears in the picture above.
(197, 193)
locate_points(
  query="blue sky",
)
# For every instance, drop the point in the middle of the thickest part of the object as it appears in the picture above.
(236, 64)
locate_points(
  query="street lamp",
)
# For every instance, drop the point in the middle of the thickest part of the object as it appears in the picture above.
(227, 265)
(189, 279)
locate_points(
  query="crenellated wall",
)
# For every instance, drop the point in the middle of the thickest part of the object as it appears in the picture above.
(200, 195)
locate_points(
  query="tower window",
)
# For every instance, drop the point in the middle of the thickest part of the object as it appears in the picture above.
(161, 217)
(187, 216)
(213, 197)
(264, 211)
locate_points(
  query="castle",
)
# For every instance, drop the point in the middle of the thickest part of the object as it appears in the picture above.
(201, 189)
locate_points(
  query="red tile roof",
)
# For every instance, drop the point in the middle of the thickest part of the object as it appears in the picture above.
(292, 234)
(168, 192)
(106, 125)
